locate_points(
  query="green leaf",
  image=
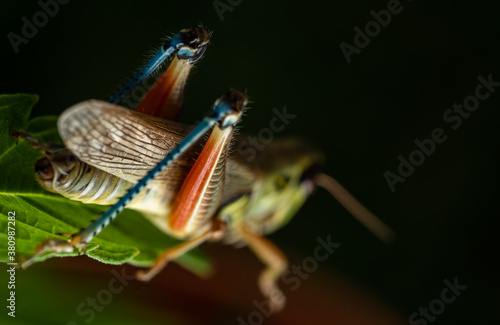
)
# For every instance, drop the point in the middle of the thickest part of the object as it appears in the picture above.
(41, 215)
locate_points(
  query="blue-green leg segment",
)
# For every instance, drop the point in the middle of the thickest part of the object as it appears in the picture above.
(189, 44)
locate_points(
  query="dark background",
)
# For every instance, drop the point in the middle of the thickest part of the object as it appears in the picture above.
(362, 115)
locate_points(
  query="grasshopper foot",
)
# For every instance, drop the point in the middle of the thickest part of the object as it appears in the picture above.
(76, 242)
(58, 246)
(144, 275)
(148, 274)
(271, 291)
(49, 245)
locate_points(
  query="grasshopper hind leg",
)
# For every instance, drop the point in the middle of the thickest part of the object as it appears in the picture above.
(196, 203)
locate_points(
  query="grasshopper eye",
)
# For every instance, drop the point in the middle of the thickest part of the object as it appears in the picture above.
(282, 182)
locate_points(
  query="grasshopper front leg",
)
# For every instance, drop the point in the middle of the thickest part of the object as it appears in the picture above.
(275, 261)
(214, 233)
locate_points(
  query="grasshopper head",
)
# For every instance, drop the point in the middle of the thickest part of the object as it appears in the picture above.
(288, 168)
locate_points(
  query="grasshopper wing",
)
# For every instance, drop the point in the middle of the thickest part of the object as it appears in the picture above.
(128, 144)
(124, 143)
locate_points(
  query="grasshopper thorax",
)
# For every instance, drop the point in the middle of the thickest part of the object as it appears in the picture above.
(288, 167)
(284, 178)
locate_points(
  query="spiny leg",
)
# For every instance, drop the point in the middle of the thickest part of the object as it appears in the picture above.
(164, 99)
(200, 194)
(188, 43)
(276, 263)
(224, 114)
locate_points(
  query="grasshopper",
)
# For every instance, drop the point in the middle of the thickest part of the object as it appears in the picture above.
(148, 161)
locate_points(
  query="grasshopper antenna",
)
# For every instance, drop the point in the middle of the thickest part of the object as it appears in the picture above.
(349, 202)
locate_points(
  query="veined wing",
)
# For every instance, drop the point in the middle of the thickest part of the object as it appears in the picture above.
(122, 142)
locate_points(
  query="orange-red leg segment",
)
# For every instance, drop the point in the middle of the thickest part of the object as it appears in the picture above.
(164, 98)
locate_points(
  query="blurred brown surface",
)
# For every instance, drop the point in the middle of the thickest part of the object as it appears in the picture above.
(326, 297)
